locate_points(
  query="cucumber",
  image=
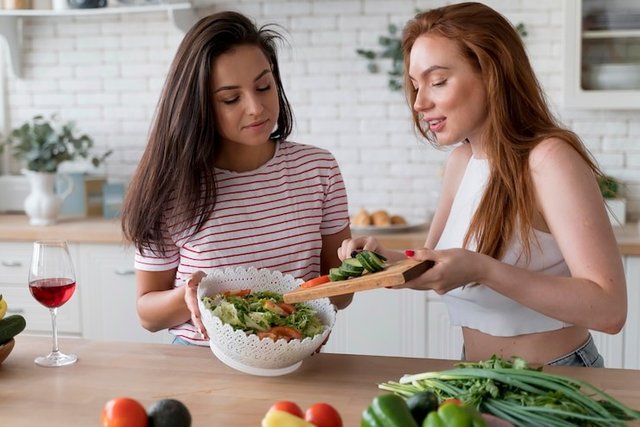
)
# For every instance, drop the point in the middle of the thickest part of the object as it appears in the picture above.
(370, 261)
(11, 326)
(335, 275)
(364, 260)
(351, 269)
(375, 260)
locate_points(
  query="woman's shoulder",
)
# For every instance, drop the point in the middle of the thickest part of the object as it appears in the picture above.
(552, 152)
(300, 149)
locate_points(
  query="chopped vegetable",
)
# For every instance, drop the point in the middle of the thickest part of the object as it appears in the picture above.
(519, 394)
(264, 313)
(388, 410)
(316, 281)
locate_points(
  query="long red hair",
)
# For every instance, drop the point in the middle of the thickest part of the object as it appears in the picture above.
(518, 117)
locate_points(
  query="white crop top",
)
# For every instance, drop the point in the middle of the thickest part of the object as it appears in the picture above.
(479, 307)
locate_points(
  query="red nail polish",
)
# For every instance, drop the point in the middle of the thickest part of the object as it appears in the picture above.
(409, 252)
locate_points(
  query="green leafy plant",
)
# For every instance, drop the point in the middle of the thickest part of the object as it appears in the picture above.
(44, 144)
(609, 186)
(391, 48)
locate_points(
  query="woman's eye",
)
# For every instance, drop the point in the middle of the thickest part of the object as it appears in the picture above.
(264, 88)
(230, 100)
(439, 83)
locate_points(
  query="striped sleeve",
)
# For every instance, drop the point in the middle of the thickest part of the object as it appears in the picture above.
(153, 259)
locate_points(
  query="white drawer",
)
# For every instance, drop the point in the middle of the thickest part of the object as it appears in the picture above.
(20, 301)
(14, 263)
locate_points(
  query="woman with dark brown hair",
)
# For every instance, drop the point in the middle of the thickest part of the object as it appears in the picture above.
(525, 256)
(219, 185)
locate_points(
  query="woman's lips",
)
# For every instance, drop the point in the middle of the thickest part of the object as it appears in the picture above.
(436, 125)
(257, 125)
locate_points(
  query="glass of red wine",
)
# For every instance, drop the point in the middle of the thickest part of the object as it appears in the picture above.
(52, 282)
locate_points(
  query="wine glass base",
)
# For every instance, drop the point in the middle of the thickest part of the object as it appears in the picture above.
(55, 359)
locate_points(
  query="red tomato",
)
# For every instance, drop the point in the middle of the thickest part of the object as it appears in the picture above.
(286, 406)
(281, 332)
(451, 400)
(124, 412)
(237, 293)
(288, 308)
(315, 282)
(323, 415)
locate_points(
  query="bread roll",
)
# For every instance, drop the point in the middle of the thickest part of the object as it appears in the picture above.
(381, 218)
(361, 219)
(398, 220)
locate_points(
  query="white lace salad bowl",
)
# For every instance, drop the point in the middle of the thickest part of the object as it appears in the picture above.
(245, 351)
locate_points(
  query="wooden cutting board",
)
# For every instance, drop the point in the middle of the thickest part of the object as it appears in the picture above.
(395, 274)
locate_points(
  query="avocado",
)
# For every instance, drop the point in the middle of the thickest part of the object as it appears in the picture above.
(168, 413)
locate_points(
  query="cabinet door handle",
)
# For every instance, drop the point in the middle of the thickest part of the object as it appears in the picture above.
(15, 311)
(124, 272)
(11, 263)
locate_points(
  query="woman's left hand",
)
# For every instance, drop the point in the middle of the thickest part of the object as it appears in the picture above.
(191, 299)
(453, 268)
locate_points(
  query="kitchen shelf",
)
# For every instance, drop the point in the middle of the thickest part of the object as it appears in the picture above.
(576, 41)
(181, 14)
(610, 34)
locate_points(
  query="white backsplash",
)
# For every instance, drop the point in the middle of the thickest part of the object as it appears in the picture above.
(105, 72)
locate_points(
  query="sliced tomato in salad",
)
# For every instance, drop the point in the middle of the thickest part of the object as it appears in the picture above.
(315, 282)
(281, 332)
(237, 293)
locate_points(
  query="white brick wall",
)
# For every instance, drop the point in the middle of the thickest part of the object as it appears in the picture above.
(105, 72)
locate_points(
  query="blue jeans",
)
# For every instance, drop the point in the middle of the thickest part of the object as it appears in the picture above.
(586, 356)
(179, 341)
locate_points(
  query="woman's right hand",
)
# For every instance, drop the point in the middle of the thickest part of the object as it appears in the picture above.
(357, 243)
(191, 299)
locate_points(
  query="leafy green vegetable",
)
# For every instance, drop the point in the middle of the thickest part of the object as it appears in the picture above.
(249, 313)
(522, 395)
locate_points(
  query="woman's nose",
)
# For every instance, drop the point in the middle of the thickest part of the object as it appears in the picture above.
(254, 105)
(422, 102)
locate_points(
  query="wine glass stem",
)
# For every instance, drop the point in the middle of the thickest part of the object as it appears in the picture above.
(54, 312)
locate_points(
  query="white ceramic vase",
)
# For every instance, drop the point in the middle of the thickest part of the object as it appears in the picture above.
(43, 204)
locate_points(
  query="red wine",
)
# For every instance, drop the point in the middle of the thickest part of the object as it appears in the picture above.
(54, 292)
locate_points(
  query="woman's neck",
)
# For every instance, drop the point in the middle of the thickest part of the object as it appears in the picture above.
(244, 158)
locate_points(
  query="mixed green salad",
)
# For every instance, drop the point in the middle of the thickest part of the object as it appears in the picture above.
(265, 314)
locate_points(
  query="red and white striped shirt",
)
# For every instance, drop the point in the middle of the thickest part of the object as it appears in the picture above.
(273, 217)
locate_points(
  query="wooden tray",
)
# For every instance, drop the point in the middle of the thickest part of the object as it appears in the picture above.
(395, 274)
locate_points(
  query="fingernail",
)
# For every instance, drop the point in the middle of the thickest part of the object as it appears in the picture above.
(409, 252)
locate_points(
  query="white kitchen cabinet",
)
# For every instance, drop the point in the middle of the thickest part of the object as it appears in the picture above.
(15, 258)
(602, 54)
(386, 322)
(106, 281)
(632, 328)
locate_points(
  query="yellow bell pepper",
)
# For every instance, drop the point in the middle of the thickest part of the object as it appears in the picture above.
(283, 419)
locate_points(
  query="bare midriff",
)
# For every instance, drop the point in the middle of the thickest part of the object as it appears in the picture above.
(538, 348)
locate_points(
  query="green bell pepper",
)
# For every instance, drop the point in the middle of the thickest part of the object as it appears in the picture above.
(388, 410)
(454, 415)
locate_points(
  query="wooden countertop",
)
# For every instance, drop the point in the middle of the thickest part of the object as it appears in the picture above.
(100, 230)
(215, 394)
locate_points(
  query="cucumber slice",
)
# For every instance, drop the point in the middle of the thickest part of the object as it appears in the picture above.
(382, 257)
(364, 260)
(354, 263)
(346, 271)
(375, 260)
(352, 268)
(335, 275)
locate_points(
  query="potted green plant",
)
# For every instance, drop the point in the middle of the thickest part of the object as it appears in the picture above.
(42, 145)
(616, 205)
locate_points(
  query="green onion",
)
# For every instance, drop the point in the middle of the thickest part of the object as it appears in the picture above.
(521, 395)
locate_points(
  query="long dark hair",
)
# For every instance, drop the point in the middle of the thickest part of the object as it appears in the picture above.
(519, 117)
(176, 168)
